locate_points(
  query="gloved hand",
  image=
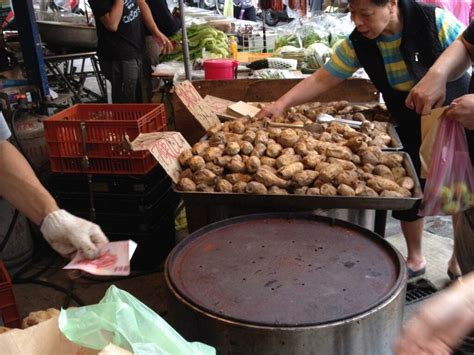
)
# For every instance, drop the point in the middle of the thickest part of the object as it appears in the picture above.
(67, 234)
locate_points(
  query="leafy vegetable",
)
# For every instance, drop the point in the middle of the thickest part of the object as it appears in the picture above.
(316, 55)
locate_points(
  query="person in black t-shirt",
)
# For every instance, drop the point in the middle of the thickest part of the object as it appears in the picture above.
(121, 41)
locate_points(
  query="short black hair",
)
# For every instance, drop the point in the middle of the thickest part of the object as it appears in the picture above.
(375, 2)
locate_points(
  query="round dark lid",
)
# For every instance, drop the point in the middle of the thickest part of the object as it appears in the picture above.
(285, 270)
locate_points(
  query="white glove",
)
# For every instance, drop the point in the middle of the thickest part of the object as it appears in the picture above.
(67, 233)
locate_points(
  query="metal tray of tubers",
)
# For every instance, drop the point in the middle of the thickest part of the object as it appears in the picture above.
(292, 202)
(396, 144)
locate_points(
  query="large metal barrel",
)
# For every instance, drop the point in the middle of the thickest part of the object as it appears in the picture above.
(284, 283)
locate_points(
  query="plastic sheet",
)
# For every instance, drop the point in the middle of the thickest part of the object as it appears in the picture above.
(449, 185)
(121, 319)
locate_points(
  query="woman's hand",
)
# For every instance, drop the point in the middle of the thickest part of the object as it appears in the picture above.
(441, 322)
(273, 110)
(430, 92)
(462, 110)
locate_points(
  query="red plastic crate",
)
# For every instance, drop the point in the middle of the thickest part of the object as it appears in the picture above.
(105, 126)
(8, 308)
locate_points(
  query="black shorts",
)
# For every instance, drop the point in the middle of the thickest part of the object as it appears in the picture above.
(411, 140)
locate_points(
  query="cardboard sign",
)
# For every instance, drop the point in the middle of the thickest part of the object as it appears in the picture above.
(196, 105)
(243, 109)
(165, 147)
(217, 104)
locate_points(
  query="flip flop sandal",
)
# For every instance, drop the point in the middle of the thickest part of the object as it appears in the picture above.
(412, 274)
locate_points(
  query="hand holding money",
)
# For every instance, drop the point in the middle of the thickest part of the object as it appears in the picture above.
(114, 259)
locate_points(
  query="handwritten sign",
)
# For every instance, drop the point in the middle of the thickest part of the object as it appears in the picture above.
(196, 105)
(243, 109)
(165, 147)
(217, 104)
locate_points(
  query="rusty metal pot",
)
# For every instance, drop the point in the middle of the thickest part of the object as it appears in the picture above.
(284, 283)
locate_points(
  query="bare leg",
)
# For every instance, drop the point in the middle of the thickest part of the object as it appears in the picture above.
(453, 265)
(413, 233)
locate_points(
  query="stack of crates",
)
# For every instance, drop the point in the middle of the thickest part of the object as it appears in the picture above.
(9, 316)
(95, 177)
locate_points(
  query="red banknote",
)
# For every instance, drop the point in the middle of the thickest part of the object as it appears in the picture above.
(114, 260)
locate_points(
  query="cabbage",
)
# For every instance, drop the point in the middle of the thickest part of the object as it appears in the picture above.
(288, 40)
(279, 51)
(316, 55)
(315, 35)
(336, 38)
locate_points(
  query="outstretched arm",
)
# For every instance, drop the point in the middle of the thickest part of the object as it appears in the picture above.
(20, 186)
(305, 91)
(430, 91)
(63, 231)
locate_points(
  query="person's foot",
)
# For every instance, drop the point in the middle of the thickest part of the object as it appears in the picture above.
(412, 274)
(453, 276)
(454, 272)
(416, 267)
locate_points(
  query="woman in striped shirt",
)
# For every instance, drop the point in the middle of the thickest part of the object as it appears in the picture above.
(396, 42)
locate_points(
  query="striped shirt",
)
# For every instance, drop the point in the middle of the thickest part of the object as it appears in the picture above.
(344, 62)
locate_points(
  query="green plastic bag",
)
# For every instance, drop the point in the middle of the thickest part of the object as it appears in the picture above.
(121, 319)
(228, 8)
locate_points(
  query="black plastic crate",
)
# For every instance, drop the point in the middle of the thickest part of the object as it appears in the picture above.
(152, 252)
(107, 183)
(153, 246)
(135, 223)
(111, 202)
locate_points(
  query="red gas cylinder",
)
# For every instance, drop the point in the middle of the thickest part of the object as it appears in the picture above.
(220, 69)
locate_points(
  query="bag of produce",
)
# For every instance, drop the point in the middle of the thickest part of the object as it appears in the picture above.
(449, 185)
(121, 319)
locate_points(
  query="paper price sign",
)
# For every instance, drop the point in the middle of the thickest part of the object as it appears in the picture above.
(196, 105)
(167, 150)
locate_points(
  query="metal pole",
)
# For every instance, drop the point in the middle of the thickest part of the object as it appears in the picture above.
(31, 46)
(187, 65)
(264, 31)
(87, 15)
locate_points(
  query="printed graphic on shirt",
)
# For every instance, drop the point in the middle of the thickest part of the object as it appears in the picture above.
(134, 11)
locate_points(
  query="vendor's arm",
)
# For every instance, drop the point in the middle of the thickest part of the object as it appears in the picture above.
(163, 41)
(19, 185)
(431, 89)
(111, 20)
(441, 323)
(341, 66)
(306, 91)
(454, 61)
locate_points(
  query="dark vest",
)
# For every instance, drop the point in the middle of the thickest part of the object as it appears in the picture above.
(420, 47)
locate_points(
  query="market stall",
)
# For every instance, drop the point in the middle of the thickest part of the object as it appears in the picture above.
(251, 235)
